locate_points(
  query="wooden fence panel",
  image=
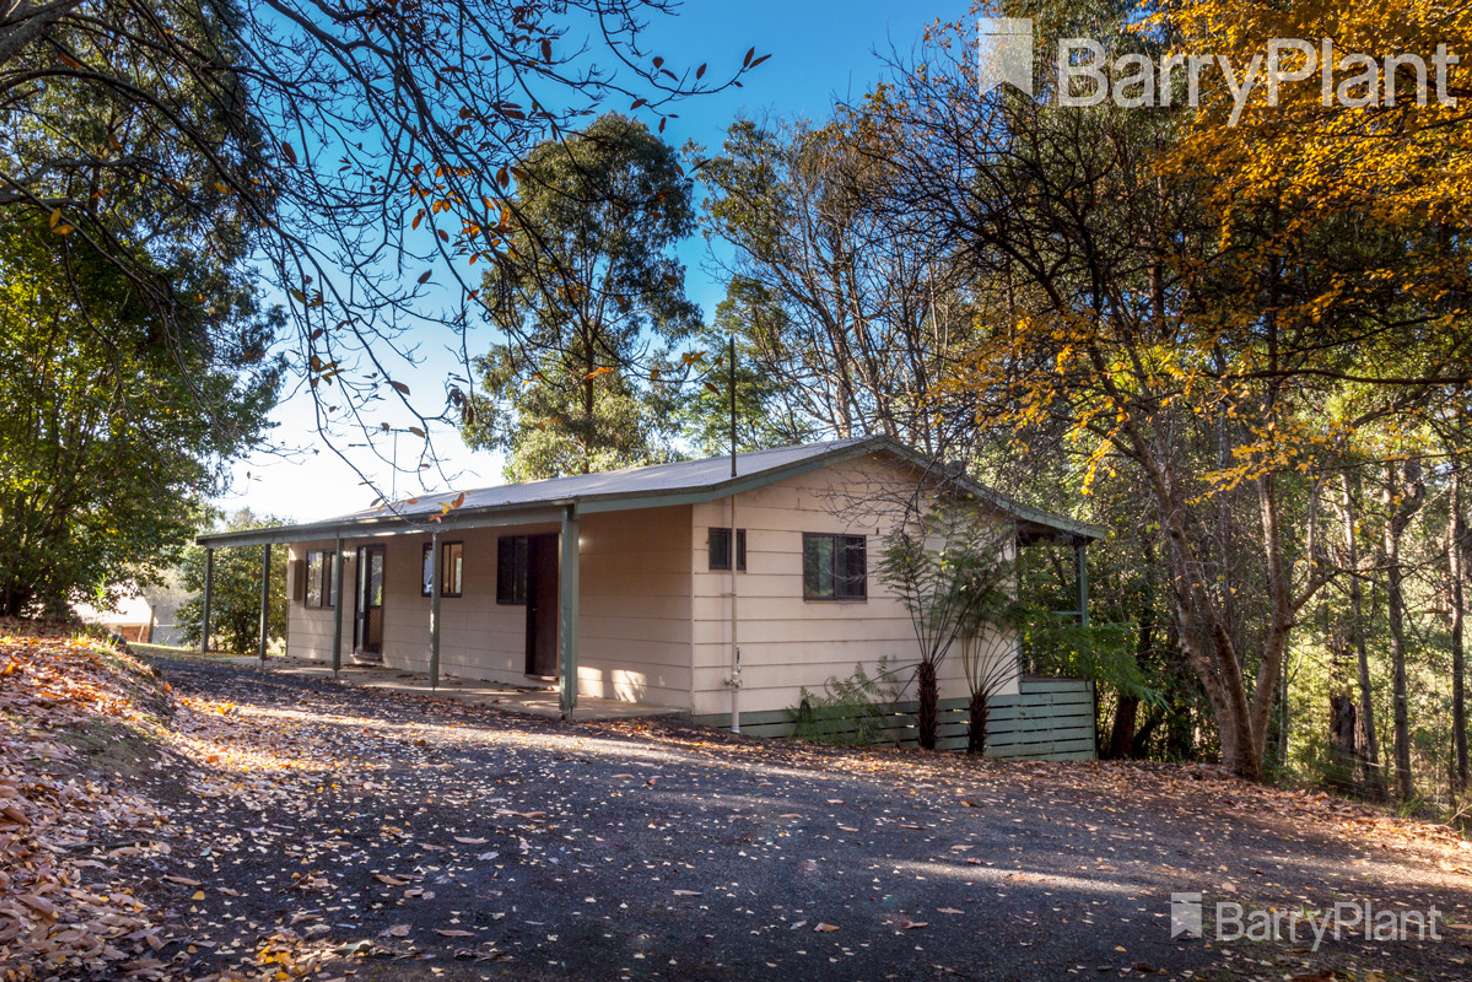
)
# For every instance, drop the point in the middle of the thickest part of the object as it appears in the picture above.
(1048, 719)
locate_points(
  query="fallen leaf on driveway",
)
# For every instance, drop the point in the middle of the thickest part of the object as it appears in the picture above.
(269, 817)
(470, 840)
(38, 902)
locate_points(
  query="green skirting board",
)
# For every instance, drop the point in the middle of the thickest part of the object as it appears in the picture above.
(1049, 719)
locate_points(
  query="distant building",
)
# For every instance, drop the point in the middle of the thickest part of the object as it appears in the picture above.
(166, 599)
(149, 617)
(133, 617)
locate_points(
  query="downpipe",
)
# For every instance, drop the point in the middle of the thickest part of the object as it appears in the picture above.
(733, 681)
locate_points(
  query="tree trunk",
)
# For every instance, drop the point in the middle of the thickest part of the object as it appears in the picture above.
(1403, 784)
(1341, 738)
(927, 717)
(1401, 505)
(1208, 647)
(1127, 712)
(1139, 748)
(1456, 556)
(1273, 664)
(1180, 734)
(1283, 716)
(1122, 733)
(1205, 631)
(1342, 722)
(13, 601)
(1180, 728)
(1206, 636)
(1206, 627)
(1374, 776)
(590, 366)
(976, 727)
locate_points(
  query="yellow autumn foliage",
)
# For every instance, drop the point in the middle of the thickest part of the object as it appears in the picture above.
(1398, 163)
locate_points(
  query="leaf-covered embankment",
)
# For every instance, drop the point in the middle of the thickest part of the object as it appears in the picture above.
(79, 719)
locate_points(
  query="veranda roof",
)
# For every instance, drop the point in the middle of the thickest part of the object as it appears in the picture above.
(660, 485)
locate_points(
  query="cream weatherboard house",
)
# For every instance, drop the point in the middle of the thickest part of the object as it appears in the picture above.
(629, 585)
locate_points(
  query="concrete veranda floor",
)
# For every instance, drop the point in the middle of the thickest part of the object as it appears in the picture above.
(533, 701)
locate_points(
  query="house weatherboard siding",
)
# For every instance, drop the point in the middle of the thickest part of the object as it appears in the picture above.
(309, 629)
(479, 638)
(788, 643)
(634, 622)
(653, 620)
(634, 625)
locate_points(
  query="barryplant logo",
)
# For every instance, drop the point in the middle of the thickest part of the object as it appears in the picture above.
(1085, 74)
(1355, 920)
(1185, 915)
(1005, 53)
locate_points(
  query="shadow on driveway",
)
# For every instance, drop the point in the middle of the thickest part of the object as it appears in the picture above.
(348, 829)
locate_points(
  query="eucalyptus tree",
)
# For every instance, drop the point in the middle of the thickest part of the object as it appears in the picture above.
(769, 412)
(590, 310)
(854, 322)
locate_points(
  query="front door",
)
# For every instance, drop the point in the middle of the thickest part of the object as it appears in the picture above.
(368, 625)
(541, 605)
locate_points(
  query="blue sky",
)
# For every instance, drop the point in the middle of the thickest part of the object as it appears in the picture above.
(820, 52)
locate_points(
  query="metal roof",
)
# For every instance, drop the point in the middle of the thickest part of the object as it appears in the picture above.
(660, 485)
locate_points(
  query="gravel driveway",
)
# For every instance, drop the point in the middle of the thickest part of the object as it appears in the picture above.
(386, 836)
